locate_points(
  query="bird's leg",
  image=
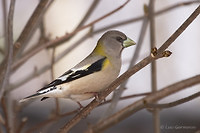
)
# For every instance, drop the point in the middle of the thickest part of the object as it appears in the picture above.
(96, 95)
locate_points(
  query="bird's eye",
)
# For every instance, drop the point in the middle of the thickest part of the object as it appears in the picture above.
(119, 39)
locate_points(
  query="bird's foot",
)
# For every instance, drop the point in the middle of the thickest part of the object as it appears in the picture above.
(96, 95)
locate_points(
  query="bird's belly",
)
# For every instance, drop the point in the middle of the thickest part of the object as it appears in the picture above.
(86, 87)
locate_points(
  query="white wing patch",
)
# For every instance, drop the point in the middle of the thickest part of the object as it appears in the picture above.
(81, 68)
(47, 90)
(64, 77)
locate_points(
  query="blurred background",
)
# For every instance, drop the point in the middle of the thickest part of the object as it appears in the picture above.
(63, 16)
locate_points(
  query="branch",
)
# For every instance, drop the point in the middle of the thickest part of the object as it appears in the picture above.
(4, 22)
(22, 124)
(31, 26)
(175, 103)
(10, 48)
(5, 111)
(154, 88)
(82, 22)
(89, 12)
(127, 97)
(177, 33)
(85, 111)
(141, 104)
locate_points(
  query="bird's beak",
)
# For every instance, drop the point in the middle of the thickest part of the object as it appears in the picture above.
(128, 42)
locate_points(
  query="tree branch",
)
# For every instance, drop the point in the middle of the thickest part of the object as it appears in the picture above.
(175, 103)
(154, 88)
(10, 48)
(141, 104)
(5, 111)
(30, 27)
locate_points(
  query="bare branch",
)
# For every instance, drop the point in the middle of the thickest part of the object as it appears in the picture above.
(89, 12)
(31, 26)
(5, 111)
(154, 88)
(141, 104)
(4, 13)
(22, 124)
(10, 48)
(175, 103)
(127, 97)
(177, 33)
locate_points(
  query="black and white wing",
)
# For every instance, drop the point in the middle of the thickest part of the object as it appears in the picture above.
(71, 75)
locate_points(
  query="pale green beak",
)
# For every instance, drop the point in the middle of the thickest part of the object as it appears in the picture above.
(128, 42)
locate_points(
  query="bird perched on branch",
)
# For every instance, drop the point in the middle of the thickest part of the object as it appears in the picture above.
(93, 74)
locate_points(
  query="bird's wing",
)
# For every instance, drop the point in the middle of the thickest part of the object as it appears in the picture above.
(75, 73)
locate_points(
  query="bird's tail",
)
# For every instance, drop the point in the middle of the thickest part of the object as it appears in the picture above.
(44, 92)
(36, 95)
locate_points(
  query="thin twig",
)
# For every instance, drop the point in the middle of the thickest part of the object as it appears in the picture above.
(89, 12)
(5, 111)
(52, 63)
(2, 121)
(30, 27)
(10, 48)
(154, 88)
(175, 103)
(177, 33)
(3, 63)
(127, 97)
(4, 22)
(82, 22)
(2, 52)
(52, 78)
(22, 124)
(141, 104)
(85, 111)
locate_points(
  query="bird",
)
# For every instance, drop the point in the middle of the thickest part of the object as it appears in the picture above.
(92, 75)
